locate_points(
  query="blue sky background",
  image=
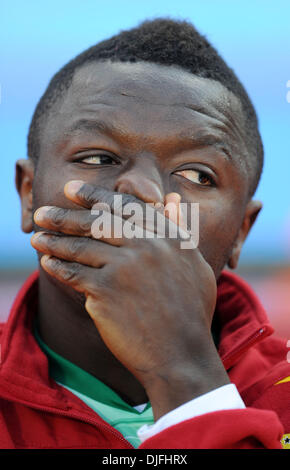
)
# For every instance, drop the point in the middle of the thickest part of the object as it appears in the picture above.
(253, 36)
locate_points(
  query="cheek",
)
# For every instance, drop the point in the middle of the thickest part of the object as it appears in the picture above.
(49, 182)
(48, 190)
(52, 176)
(219, 225)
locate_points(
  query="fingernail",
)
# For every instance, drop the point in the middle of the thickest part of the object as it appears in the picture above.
(72, 187)
(46, 259)
(40, 213)
(36, 236)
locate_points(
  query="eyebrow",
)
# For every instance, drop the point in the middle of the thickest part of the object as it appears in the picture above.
(92, 126)
(202, 140)
(208, 140)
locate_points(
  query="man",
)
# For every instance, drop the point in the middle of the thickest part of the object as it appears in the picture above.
(121, 342)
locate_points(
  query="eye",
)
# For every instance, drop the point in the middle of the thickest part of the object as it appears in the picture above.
(197, 176)
(101, 159)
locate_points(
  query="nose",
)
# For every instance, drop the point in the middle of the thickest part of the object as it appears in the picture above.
(143, 181)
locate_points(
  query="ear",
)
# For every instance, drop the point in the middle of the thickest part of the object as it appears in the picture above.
(23, 180)
(252, 210)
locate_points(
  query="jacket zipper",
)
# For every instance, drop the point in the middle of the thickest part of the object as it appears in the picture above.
(92, 422)
(80, 418)
(244, 346)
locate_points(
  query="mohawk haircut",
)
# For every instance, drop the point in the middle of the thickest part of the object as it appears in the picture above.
(162, 41)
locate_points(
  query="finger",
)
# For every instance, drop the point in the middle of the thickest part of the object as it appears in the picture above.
(77, 249)
(106, 227)
(116, 230)
(87, 195)
(99, 224)
(120, 204)
(173, 211)
(82, 278)
(68, 221)
(94, 307)
(110, 228)
(171, 208)
(84, 222)
(99, 312)
(80, 223)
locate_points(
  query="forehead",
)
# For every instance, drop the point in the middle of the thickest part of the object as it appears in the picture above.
(148, 82)
(150, 101)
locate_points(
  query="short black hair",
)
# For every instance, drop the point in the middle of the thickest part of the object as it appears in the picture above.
(162, 41)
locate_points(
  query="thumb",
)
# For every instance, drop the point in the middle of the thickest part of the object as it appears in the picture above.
(173, 209)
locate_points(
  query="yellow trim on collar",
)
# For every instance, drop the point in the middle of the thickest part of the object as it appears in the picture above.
(287, 379)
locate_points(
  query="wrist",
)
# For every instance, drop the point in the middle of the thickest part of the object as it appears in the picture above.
(174, 386)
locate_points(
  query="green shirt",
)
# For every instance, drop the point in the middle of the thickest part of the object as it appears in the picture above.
(98, 396)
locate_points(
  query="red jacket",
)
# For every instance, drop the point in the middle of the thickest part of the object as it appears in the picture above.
(35, 412)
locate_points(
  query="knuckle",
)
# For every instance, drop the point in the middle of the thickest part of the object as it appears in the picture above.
(116, 201)
(56, 264)
(52, 242)
(58, 216)
(93, 194)
(115, 275)
(71, 273)
(76, 246)
(148, 254)
(87, 192)
(130, 257)
(157, 249)
(129, 199)
(169, 247)
(100, 285)
(123, 271)
(85, 226)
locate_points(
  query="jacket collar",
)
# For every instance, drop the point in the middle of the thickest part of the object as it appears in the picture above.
(24, 372)
(242, 318)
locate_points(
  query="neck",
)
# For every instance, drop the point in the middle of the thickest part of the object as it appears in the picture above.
(66, 327)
